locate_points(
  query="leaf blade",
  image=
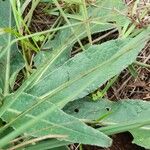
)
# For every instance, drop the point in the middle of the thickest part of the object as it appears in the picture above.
(119, 119)
(12, 62)
(55, 121)
(98, 65)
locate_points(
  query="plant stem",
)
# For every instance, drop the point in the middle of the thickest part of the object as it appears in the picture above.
(7, 73)
(142, 64)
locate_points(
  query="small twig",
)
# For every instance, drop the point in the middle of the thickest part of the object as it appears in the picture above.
(105, 35)
(96, 40)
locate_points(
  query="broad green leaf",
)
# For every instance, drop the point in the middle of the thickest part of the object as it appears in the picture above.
(41, 57)
(86, 71)
(142, 136)
(67, 38)
(52, 121)
(55, 58)
(88, 109)
(92, 64)
(7, 131)
(12, 62)
(109, 11)
(119, 111)
(114, 113)
(104, 17)
(98, 24)
(75, 79)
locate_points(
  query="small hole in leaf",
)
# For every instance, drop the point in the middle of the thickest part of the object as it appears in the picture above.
(76, 110)
(108, 108)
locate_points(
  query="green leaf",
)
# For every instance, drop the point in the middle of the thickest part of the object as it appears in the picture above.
(115, 113)
(41, 57)
(98, 63)
(133, 71)
(98, 24)
(86, 71)
(67, 39)
(48, 119)
(142, 136)
(12, 62)
(88, 109)
(112, 11)
(37, 112)
(57, 57)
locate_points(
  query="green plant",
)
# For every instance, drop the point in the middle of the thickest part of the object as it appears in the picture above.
(37, 109)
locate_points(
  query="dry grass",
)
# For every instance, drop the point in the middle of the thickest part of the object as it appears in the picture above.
(129, 87)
